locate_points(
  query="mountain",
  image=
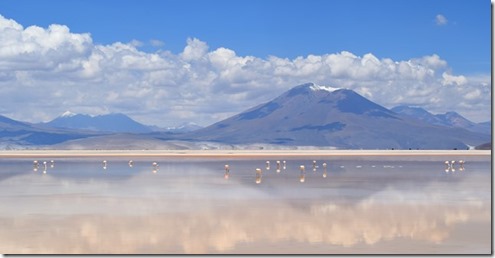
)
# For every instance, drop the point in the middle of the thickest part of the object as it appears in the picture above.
(455, 120)
(74, 131)
(7, 123)
(449, 119)
(485, 127)
(484, 146)
(420, 114)
(19, 135)
(115, 123)
(184, 128)
(312, 115)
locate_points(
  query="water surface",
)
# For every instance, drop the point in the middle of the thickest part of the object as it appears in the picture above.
(186, 205)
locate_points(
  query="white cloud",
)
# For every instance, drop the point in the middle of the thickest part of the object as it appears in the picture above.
(440, 20)
(157, 43)
(136, 43)
(449, 79)
(194, 50)
(433, 61)
(38, 48)
(50, 70)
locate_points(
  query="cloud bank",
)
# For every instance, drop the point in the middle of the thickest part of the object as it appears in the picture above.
(46, 71)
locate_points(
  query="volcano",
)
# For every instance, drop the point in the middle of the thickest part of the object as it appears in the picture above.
(314, 115)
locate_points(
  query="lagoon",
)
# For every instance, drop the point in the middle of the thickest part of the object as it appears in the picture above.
(366, 204)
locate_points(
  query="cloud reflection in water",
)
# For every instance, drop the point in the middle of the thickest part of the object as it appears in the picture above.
(220, 228)
(198, 211)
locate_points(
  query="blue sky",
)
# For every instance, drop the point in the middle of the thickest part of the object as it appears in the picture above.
(395, 29)
(170, 62)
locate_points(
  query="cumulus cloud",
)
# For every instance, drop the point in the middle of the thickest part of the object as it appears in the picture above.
(36, 48)
(449, 79)
(440, 20)
(50, 70)
(194, 50)
(433, 61)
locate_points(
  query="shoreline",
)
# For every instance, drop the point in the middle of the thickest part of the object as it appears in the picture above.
(233, 153)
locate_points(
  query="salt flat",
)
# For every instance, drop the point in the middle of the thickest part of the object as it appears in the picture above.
(234, 153)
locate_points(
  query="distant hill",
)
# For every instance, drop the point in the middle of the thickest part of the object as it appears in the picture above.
(312, 115)
(449, 119)
(115, 123)
(76, 131)
(183, 128)
(19, 135)
(484, 146)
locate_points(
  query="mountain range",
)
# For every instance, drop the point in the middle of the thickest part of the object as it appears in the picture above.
(115, 123)
(306, 115)
(449, 119)
(112, 123)
(323, 116)
(15, 134)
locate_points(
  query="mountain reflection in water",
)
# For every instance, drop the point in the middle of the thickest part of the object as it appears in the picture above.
(189, 207)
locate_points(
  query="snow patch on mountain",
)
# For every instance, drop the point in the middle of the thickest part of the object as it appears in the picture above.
(185, 127)
(316, 87)
(68, 114)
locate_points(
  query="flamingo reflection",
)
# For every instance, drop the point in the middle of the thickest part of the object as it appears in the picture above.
(36, 165)
(461, 165)
(227, 171)
(447, 166)
(44, 167)
(302, 177)
(155, 167)
(324, 170)
(258, 175)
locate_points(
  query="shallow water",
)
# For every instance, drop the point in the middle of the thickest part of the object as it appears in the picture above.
(363, 205)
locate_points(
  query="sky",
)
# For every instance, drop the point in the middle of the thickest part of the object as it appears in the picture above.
(170, 62)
